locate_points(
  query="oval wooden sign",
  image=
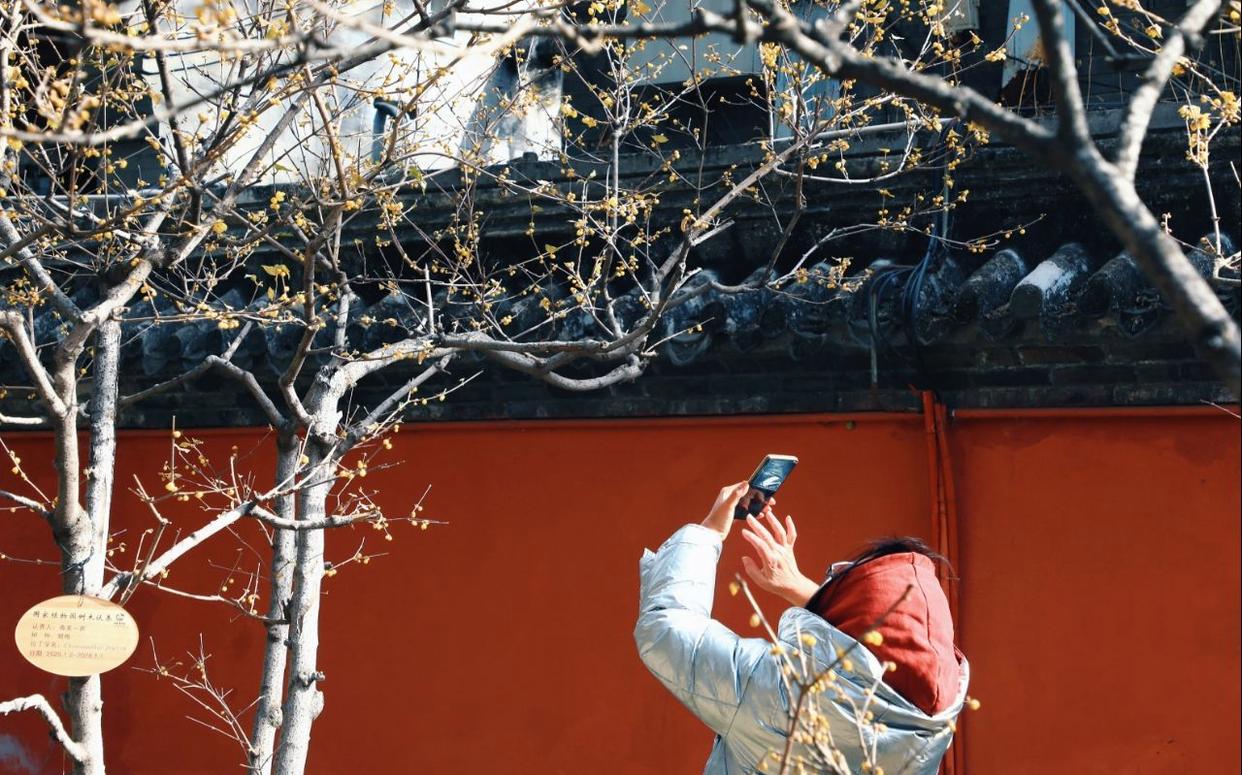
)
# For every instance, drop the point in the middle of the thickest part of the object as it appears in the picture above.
(76, 635)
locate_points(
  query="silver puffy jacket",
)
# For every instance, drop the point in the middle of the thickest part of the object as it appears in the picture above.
(734, 685)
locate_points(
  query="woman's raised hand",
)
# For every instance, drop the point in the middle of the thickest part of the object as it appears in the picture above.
(774, 567)
(720, 517)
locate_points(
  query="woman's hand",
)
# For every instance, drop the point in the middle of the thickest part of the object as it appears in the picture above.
(775, 569)
(720, 518)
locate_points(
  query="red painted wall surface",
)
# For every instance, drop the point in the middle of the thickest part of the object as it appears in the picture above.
(1100, 593)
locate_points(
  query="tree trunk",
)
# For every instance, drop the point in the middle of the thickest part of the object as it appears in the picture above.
(303, 700)
(84, 543)
(268, 709)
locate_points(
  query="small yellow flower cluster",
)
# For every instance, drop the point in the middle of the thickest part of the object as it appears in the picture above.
(1198, 125)
(1196, 120)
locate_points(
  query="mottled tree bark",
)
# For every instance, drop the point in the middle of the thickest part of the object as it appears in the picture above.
(85, 537)
(267, 719)
(303, 699)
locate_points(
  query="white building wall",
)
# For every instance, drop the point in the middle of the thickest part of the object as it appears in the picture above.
(456, 112)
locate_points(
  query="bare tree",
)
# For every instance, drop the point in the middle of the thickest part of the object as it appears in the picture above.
(88, 238)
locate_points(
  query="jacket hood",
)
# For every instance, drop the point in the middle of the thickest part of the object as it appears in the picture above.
(863, 670)
(899, 596)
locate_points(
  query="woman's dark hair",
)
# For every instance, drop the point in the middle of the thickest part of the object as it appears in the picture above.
(881, 547)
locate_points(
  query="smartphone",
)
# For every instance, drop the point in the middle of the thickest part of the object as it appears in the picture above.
(764, 483)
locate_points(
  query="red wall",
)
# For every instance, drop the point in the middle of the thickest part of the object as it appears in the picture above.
(1100, 592)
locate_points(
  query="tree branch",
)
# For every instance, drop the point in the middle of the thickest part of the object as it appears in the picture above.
(12, 324)
(323, 523)
(1207, 323)
(64, 305)
(224, 363)
(375, 415)
(9, 419)
(122, 581)
(631, 369)
(839, 59)
(1144, 99)
(39, 704)
(28, 503)
(117, 296)
(1071, 113)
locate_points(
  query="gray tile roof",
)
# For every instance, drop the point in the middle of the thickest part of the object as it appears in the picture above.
(1069, 294)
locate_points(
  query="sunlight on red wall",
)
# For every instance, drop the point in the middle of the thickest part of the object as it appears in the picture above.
(1097, 555)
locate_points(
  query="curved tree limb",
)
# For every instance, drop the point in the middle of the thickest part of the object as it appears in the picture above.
(14, 327)
(1071, 113)
(39, 704)
(26, 503)
(1206, 322)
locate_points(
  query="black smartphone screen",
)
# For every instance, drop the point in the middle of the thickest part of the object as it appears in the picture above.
(772, 472)
(764, 483)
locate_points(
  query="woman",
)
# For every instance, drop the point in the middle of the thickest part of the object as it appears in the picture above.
(882, 610)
